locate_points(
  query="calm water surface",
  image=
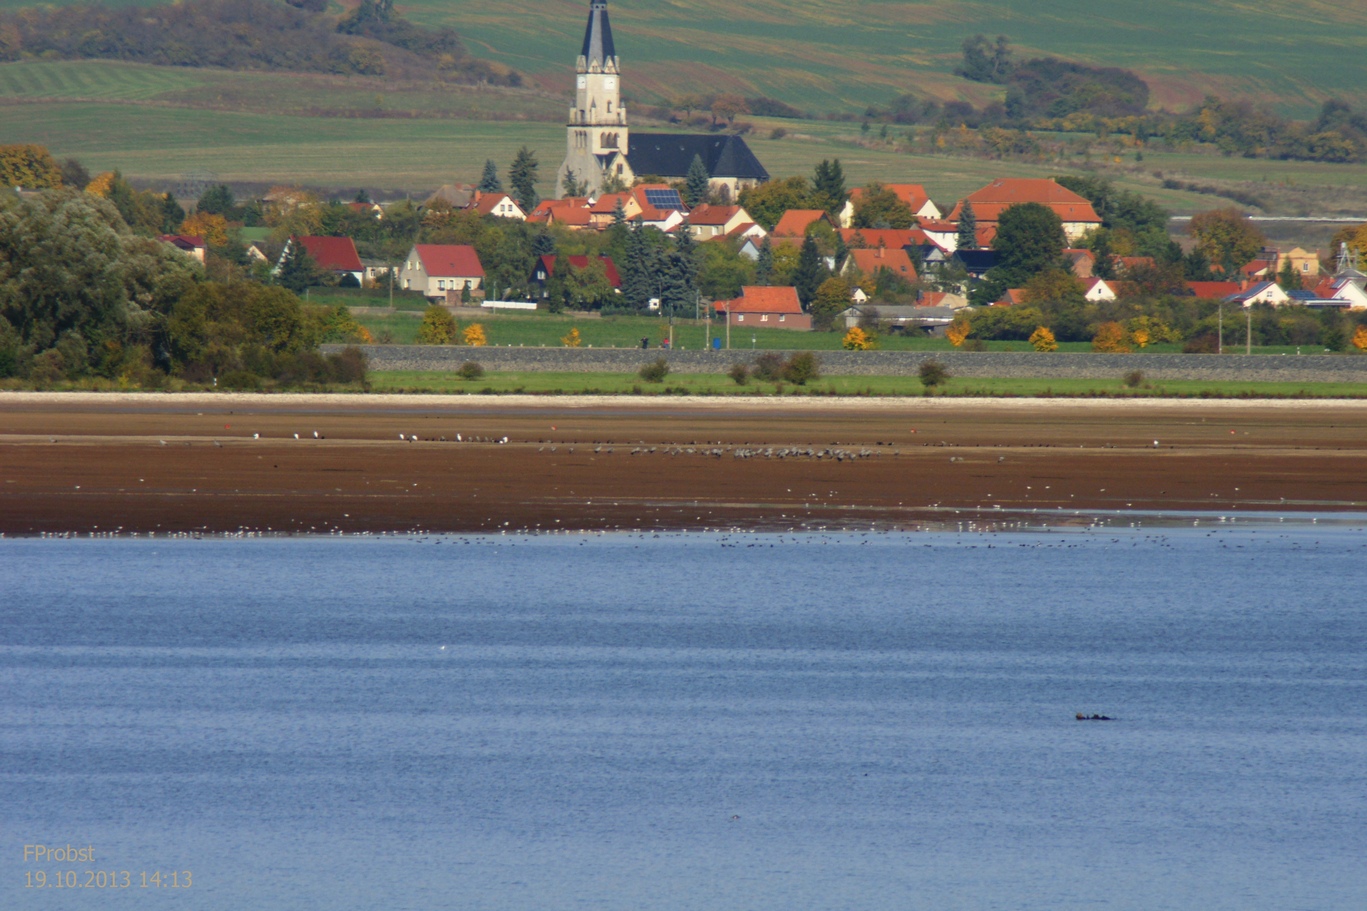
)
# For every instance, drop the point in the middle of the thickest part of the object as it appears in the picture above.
(692, 721)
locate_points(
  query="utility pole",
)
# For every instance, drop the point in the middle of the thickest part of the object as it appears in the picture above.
(1248, 336)
(1220, 343)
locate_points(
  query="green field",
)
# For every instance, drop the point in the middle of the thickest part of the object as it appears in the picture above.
(161, 142)
(715, 384)
(826, 55)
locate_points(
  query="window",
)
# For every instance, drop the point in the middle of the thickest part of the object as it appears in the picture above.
(764, 318)
(782, 318)
(740, 317)
(441, 284)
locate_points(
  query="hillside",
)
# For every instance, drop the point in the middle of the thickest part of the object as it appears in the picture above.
(831, 55)
(825, 56)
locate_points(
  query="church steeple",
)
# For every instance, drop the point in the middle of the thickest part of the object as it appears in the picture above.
(597, 141)
(598, 54)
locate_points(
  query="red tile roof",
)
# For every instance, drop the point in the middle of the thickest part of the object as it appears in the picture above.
(913, 194)
(450, 260)
(582, 262)
(1001, 194)
(894, 258)
(706, 214)
(779, 299)
(795, 222)
(183, 241)
(887, 237)
(571, 211)
(1214, 290)
(487, 202)
(335, 254)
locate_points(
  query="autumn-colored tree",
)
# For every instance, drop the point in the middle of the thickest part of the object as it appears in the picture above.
(1054, 286)
(572, 340)
(1227, 238)
(1145, 330)
(1042, 339)
(1360, 338)
(474, 336)
(728, 107)
(1111, 338)
(879, 207)
(29, 166)
(438, 326)
(101, 184)
(858, 340)
(213, 228)
(957, 331)
(832, 296)
(1355, 236)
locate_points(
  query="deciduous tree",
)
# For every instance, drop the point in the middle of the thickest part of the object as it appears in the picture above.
(1227, 238)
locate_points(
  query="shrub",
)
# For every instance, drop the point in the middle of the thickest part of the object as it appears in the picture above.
(739, 373)
(349, 365)
(1133, 379)
(474, 336)
(974, 344)
(958, 330)
(438, 326)
(48, 368)
(572, 340)
(1360, 338)
(858, 340)
(1202, 344)
(239, 379)
(655, 371)
(768, 367)
(470, 370)
(1111, 338)
(932, 373)
(1043, 339)
(800, 368)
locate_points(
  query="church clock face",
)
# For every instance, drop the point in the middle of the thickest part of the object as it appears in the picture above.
(609, 83)
(582, 81)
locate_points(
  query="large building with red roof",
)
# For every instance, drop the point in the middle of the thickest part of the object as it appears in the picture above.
(334, 254)
(991, 201)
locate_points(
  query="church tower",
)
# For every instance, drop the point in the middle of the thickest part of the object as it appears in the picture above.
(597, 130)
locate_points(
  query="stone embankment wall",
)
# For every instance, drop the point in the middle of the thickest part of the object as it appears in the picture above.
(1289, 368)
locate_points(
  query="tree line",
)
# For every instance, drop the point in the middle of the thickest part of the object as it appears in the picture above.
(245, 34)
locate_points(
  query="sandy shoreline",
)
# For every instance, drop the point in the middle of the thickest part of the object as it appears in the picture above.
(313, 401)
(86, 462)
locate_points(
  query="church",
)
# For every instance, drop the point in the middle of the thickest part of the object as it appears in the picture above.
(603, 154)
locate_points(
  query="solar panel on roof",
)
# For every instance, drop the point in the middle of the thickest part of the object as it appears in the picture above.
(664, 199)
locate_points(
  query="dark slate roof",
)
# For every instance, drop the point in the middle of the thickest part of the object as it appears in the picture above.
(977, 261)
(598, 34)
(671, 154)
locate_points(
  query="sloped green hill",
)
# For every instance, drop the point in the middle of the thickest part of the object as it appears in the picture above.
(842, 54)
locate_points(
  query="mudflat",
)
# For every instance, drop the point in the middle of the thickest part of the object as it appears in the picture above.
(102, 463)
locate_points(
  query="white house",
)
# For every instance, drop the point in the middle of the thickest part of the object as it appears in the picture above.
(439, 270)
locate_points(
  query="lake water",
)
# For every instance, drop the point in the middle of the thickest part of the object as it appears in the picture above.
(701, 721)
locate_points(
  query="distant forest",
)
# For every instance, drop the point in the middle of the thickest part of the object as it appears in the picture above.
(247, 35)
(1058, 95)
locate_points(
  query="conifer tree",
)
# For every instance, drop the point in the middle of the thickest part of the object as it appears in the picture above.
(811, 271)
(764, 265)
(697, 185)
(637, 269)
(829, 183)
(489, 182)
(967, 238)
(522, 177)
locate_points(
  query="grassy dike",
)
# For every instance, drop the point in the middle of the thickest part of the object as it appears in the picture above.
(720, 385)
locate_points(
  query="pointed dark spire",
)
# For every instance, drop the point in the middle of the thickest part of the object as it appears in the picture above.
(598, 49)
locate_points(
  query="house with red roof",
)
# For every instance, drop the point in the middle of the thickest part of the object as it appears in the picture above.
(191, 245)
(1013, 297)
(870, 262)
(545, 268)
(991, 201)
(707, 221)
(655, 205)
(573, 212)
(765, 308)
(795, 222)
(1097, 289)
(913, 194)
(1213, 291)
(1342, 289)
(500, 205)
(861, 238)
(333, 254)
(441, 271)
(1084, 262)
